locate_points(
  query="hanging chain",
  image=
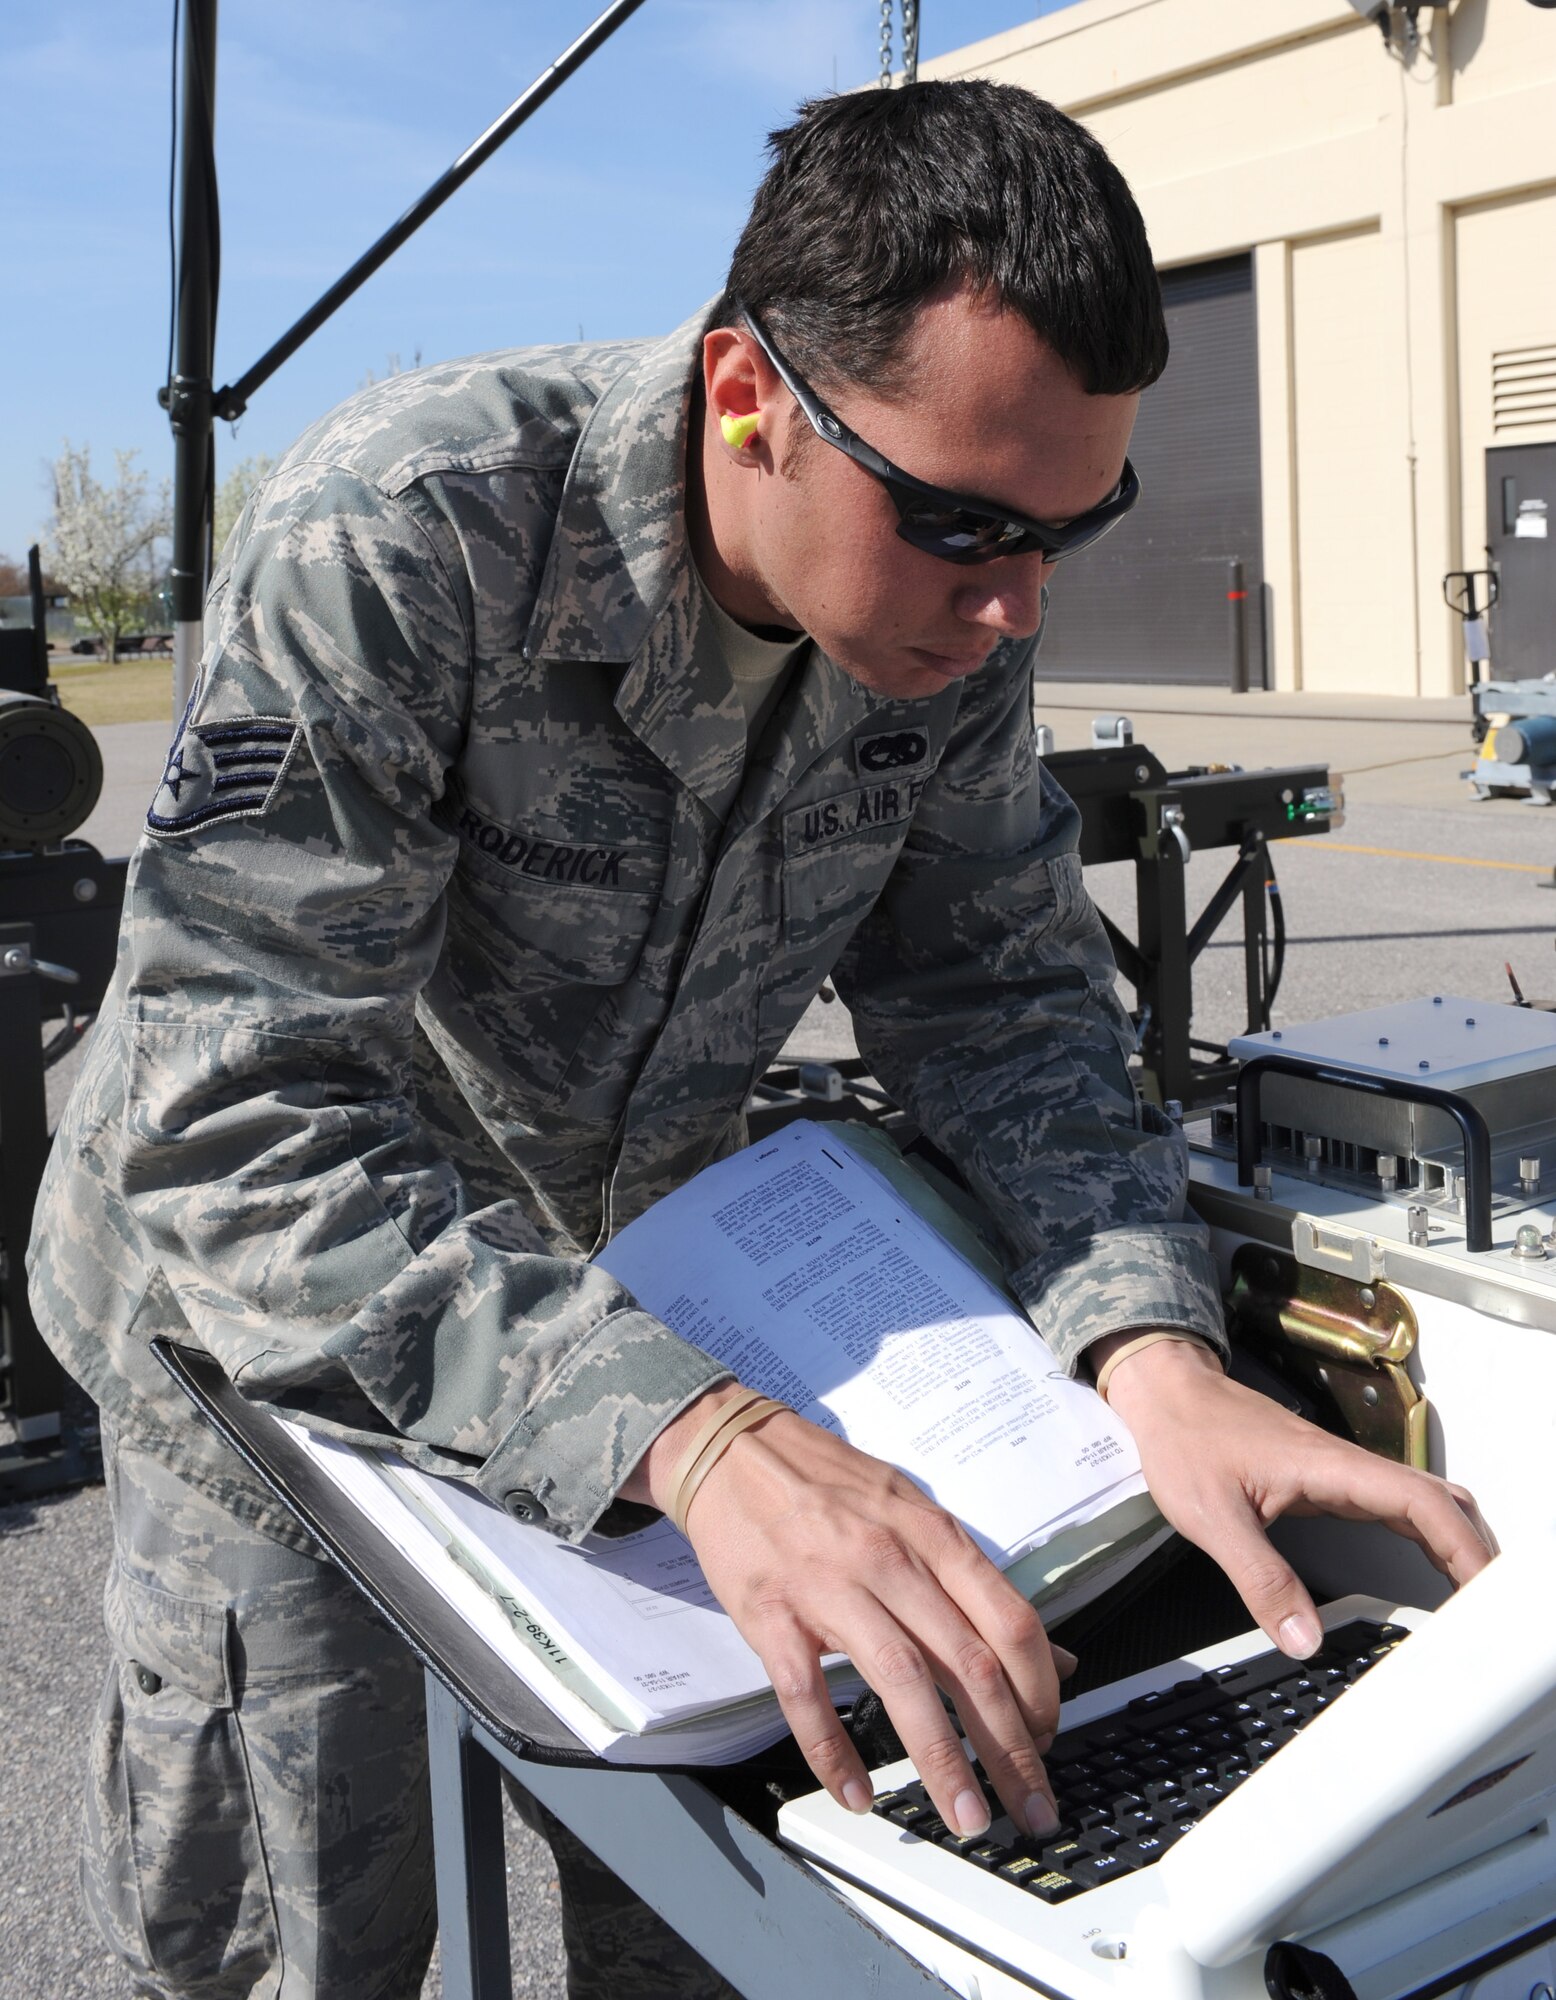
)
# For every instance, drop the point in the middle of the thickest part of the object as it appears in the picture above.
(909, 42)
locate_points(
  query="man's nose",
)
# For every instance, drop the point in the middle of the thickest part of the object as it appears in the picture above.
(1006, 596)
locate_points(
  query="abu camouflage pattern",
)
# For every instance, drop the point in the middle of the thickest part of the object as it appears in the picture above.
(496, 960)
(258, 1817)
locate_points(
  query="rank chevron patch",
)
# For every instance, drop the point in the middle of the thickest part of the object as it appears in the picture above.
(222, 770)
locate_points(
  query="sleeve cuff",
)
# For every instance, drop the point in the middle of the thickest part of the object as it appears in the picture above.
(1123, 1279)
(563, 1460)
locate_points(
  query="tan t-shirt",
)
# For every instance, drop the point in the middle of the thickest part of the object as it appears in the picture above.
(759, 667)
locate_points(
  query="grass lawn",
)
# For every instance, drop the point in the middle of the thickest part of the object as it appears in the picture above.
(133, 691)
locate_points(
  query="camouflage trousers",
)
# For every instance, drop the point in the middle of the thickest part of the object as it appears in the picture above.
(257, 1822)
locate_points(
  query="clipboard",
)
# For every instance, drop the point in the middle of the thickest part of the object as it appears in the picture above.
(397, 1590)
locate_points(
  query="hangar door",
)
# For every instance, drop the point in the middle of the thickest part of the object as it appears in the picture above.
(1152, 601)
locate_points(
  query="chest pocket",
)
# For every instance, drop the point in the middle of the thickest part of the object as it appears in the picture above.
(531, 958)
(837, 854)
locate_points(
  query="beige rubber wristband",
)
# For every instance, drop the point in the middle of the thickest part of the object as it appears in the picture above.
(1137, 1346)
(709, 1430)
(703, 1437)
(740, 1418)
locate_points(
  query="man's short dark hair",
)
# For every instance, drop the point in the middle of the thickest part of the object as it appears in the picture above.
(877, 200)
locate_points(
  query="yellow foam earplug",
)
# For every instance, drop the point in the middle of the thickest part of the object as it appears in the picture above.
(739, 431)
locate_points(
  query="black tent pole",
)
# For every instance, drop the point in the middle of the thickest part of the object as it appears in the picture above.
(187, 397)
(232, 400)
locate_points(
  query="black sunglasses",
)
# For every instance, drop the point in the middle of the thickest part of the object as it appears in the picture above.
(957, 527)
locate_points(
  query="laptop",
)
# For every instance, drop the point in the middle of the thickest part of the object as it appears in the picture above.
(1388, 1805)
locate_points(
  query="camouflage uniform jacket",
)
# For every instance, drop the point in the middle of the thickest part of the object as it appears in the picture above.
(463, 925)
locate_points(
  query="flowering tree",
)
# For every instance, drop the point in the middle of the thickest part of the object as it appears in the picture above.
(102, 547)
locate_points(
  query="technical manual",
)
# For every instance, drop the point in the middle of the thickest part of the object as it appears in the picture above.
(808, 1273)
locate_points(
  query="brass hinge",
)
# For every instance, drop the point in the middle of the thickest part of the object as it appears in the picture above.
(1345, 1345)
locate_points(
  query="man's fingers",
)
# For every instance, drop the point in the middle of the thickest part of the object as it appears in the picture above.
(794, 1668)
(1468, 1506)
(897, 1667)
(1030, 1664)
(1263, 1579)
(1443, 1519)
(997, 1729)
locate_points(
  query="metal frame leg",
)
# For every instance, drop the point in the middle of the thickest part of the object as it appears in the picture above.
(468, 1843)
(34, 1382)
(756, 1913)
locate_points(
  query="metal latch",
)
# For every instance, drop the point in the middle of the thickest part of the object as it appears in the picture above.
(18, 958)
(1342, 1343)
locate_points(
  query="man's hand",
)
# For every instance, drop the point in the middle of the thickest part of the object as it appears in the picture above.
(1222, 1462)
(813, 1547)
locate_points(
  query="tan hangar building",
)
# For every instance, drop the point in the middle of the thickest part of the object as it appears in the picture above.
(1357, 239)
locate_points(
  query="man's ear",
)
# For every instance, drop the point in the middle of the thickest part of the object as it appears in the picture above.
(732, 374)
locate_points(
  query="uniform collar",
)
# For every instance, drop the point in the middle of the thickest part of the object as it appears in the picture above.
(620, 539)
(620, 586)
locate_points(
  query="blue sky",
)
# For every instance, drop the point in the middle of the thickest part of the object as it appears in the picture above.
(613, 210)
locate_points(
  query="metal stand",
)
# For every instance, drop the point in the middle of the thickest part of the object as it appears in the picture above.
(766, 1921)
(68, 903)
(1132, 809)
(34, 1379)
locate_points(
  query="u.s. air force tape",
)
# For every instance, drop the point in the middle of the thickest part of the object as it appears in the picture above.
(222, 770)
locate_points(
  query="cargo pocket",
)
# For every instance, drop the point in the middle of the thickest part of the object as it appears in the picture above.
(173, 1868)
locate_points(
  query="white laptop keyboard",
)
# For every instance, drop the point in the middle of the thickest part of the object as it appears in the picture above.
(1136, 1770)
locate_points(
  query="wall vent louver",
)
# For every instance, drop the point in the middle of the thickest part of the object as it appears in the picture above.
(1523, 388)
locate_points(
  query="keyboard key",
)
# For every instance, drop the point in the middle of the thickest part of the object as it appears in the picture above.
(1052, 1886)
(1142, 1852)
(1097, 1868)
(1021, 1867)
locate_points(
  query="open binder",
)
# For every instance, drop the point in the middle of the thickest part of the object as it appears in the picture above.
(398, 1591)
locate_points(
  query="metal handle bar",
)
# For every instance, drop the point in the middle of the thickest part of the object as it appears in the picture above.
(1473, 1129)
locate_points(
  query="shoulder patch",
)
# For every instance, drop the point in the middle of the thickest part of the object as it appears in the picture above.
(222, 770)
(902, 750)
